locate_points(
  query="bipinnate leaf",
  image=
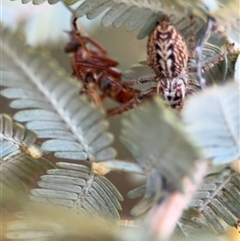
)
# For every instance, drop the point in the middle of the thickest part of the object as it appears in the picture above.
(141, 12)
(75, 187)
(21, 159)
(50, 104)
(218, 198)
(145, 13)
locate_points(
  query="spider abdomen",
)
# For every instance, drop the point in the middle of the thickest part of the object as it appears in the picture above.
(167, 50)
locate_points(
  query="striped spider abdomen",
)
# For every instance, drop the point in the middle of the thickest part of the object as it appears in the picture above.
(167, 50)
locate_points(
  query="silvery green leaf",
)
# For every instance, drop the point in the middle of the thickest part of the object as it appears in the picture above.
(212, 118)
(50, 104)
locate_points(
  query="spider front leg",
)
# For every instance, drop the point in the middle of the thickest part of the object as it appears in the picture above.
(132, 103)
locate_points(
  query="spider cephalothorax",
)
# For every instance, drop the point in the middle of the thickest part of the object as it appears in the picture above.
(174, 90)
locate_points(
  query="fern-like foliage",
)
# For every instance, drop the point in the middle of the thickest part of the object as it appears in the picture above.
(20, 160)
(147, 12)
(219, 198)
(134, 14)
(13, 136)
(216, 200)
(48, 100)
(75, 187)
(213, 119)
(142, 12)
(165, 152)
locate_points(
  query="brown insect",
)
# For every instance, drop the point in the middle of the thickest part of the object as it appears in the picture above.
(96, 71)
(167, 55)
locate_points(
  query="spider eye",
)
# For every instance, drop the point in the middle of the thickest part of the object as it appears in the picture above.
(169, 98)
(176, 98)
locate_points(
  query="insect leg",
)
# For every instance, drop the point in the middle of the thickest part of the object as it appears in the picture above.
(96, 44)
(79, 36)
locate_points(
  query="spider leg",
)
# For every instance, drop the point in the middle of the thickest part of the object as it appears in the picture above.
(142, 80)
(132, 103)
(216, 61)
(191, 39)
(199, 47)
(190, 91)
(193, 82)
